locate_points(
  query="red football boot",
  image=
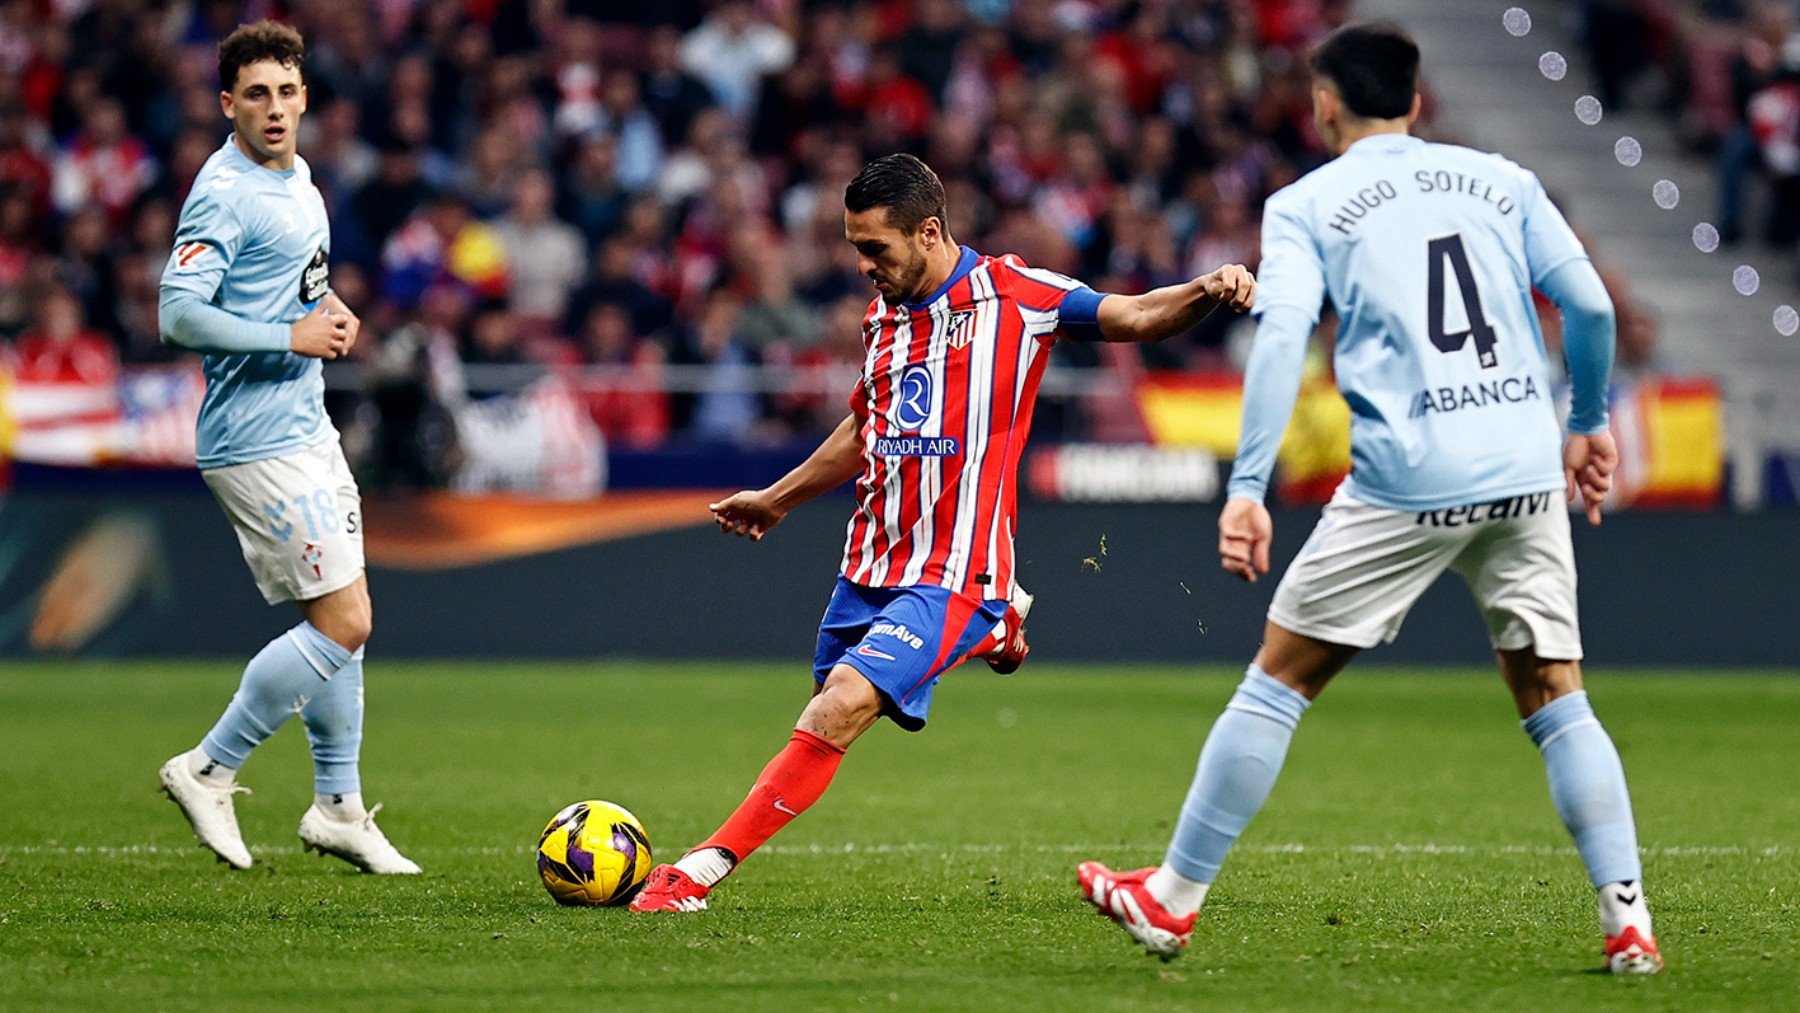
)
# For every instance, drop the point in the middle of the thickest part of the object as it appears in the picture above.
(669, 889)
(1632, 952)
(1123, 897)
(1010, 654)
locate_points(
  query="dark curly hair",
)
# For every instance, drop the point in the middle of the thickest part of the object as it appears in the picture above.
(265, 40)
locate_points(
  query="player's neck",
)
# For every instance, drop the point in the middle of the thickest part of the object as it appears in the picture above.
(280, 162)
(1350, 133)
(940, 266)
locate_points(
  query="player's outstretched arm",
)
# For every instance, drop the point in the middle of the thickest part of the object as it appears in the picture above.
(754, 511)
(1165, 312)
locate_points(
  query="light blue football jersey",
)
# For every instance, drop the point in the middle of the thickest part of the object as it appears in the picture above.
(1429, 253)
(254, 242)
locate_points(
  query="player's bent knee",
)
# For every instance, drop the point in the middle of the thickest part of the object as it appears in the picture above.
(345, 616)
(847, 705)
(1536, 681)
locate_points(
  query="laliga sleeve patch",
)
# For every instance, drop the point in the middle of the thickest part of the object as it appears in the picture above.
(191, 257)
(315, 281)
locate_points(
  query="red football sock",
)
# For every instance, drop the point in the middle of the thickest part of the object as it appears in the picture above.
(792, 781)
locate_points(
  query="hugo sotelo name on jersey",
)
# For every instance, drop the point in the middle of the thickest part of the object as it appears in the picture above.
(1441, 181)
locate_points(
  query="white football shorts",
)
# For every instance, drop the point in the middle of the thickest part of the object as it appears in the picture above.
(298, 519)
(1365, 566)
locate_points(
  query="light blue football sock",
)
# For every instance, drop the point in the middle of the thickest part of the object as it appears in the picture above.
(277, 684)
(1238, 767)
(334, 720)
(1587, 783)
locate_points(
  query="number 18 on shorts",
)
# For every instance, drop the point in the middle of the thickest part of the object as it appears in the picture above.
(298, 520)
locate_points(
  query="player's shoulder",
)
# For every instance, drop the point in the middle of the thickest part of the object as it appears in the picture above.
(1012, 275)
(1300, 195)
(221, 185)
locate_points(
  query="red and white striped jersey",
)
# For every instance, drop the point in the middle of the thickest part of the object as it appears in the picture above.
(946, 395)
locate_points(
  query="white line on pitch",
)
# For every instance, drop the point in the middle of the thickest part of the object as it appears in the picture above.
(852, 848)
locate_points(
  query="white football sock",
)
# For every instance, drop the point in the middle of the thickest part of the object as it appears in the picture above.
(1178, 895)
(706, 866)
(347, 807)
(210, 771)
(1622, 906)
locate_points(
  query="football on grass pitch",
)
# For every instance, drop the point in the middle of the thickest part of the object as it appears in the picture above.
(593, 853)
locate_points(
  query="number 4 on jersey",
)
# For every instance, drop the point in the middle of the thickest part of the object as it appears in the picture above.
(1450, 248)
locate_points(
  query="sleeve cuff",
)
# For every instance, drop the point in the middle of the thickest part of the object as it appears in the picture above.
(1247, 487)
(1586, 426)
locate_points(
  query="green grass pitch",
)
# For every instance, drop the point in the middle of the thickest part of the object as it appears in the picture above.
(1409, 858)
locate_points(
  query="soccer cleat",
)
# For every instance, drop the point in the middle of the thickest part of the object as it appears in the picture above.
(1632, 952)
(1123, 897)
(1011, 653)
(208, 809)
(359, 842)
(670, 889)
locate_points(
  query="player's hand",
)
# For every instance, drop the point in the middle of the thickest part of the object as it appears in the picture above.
(354, 328)
(1245, 532)
(752, 513)
(1588, 465)
(320, 334)
(1232, 285)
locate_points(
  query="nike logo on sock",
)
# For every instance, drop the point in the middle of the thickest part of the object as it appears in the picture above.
(781, 803)
(1627, 899)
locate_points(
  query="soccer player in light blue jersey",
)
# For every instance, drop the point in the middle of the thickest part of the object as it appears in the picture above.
(248, 285)
(1428, 253)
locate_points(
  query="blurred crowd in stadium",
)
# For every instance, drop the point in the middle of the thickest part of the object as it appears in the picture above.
(1726, 73)
(656, 185)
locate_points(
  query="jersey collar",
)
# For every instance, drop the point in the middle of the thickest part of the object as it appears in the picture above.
(246, 162)
(1384, 144)
(964, 265)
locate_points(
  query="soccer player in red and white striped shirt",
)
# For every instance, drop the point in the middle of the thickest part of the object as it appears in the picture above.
(956, 343)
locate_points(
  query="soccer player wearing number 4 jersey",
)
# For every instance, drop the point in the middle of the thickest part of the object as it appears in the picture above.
(248, 286)
(1429, 253)
(955, 344)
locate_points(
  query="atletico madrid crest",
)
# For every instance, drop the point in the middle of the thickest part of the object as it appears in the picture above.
(961, 329)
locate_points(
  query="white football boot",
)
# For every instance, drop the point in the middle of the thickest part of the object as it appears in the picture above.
(208, 809)
(358, 841)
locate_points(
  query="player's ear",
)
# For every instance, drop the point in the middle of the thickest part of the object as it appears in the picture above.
(931, 232)
(1412, 115)
(225, 104)
(303, 101)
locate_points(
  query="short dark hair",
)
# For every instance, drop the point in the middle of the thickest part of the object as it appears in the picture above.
(265, 40)
(1375, 66)
(902, 184)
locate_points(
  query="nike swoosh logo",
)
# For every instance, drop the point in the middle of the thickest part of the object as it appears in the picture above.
(781, 803)
(1628, 899)
(869, 652)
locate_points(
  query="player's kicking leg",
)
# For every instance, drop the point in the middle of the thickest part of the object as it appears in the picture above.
(1587, 783)
(1238, 766)
(840, 711)
(880, 651)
